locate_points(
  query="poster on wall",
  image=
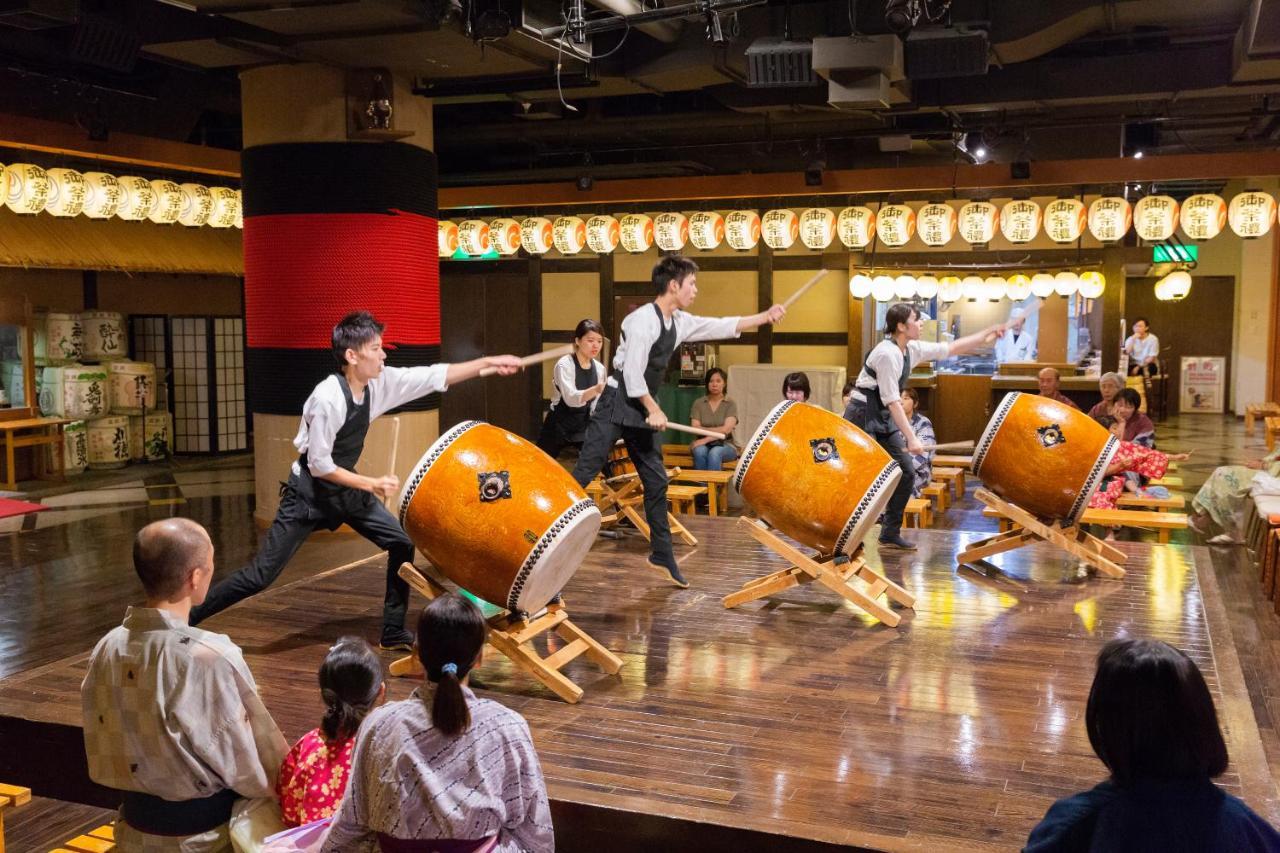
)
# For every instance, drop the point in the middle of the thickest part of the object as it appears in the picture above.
(1202, 384)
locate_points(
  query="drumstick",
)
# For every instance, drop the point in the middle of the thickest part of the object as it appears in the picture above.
(693, 430)
(567, 349)
(951, 445)
(1027, 312)
(808, 284)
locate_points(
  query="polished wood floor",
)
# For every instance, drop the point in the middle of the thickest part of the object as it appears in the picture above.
(793, 716)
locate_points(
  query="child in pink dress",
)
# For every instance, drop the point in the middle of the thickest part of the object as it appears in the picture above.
(1130, 456)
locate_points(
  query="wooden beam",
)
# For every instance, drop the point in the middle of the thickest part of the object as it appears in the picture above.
(764, 299)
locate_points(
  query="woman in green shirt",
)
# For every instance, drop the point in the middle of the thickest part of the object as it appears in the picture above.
(715, 412)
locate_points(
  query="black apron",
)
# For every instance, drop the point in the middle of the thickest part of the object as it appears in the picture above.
(572, 422)
(878, 420)
(632, 412)
(331, 500)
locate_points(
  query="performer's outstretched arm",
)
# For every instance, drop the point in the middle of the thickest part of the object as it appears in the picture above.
(464, 370)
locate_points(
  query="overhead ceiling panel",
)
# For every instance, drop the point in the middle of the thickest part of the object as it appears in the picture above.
(436, 54)
(206, 53)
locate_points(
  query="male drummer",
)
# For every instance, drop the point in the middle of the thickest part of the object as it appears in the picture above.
(324, 489)
(628, 408)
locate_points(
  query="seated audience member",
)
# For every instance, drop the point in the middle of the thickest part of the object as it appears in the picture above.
(172, 716)
(1130, 457)
(1109, 384)
(1138, 428)
(923, 428)
(717, 412)
(314, 774)
(1222, 499)
(1143, 349)
(796, 387)
(444, 764)
(1051, 385)
(1151, 721)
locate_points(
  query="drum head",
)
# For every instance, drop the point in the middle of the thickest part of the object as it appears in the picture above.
(552, 562)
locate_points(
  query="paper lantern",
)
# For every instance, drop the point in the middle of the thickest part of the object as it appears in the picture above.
(993, 287)
(937, 224)
(603, 234)
(1174, 287)
(1064, 220)
(1203, 216)
(67, 192)
(1042, 284)
(978, 221)
(197, 205)
(505, 236)
(102, 195)
(1252, 214)
(817, 228)
(569, 234)
(904, 286)
(28, 188)
(447, 238)
(137, 198)
(1020, 221)
(1110, 218)
(972, 287)
(780, 228)
(950, 288)
(1065, 283)
(856, 226)
(671, 231)
(742, 229)
(239, 209)
(927, 286)
(1092, 284)
(168, 204)
(1155, 217)
(636, 232)
(706, 230)
(896, 223)
(859, 286)
(226, 207)
(882, 288)
(1018, 286)
(535, 235)
(474, 237)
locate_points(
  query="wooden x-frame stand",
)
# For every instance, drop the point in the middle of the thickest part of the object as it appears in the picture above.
(834, 576)
(1027, 530)
(515, 640)
(624, 495)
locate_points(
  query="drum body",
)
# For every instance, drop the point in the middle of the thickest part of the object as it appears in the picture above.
(498, 516)
(133, 387)
(1046, 457)
(109, 442)
(103, 335)
(64, 338)
(816, 477)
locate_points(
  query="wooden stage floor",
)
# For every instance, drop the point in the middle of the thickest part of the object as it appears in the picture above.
(793, 716)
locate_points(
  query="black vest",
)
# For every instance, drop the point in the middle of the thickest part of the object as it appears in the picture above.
(348, 444)
(878, 420)
(572, 421)
(655, 371)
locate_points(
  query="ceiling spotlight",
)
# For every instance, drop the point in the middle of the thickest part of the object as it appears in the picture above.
(901, 15)
(980, 153)
(1137, 155)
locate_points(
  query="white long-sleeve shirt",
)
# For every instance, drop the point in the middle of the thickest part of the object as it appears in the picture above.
(887, 361)
(1019, 347)
(325, 411)
(642, 327)
(563, 384)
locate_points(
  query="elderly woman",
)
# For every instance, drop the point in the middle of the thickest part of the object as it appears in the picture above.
(1222, 499)
(1109, 384)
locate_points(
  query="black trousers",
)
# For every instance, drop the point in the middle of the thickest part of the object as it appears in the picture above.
(895, 444)
(552, 440)
(1147, 370)
(296, 518)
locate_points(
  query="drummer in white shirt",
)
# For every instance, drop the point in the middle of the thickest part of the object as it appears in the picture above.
(1143, 349)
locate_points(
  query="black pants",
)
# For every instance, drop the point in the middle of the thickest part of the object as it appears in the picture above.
(552, 440)
(296, 518)
(895, 444)
(646, 455)
(1147, 370)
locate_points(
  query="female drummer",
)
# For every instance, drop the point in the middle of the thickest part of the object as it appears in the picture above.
(578, 380)
(876, 404)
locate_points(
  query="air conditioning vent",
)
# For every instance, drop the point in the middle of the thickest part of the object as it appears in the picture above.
(775, 63)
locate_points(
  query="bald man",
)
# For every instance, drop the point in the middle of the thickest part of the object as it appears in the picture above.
(172, 716)
(1050, 385)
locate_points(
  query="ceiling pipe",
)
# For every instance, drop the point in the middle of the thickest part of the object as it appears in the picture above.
(664, 31)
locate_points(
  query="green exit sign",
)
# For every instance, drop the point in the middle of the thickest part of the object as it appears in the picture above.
(1168, 254)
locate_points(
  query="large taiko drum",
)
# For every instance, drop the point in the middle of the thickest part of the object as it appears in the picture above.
(816, 477)
(1044, 456)
(497, 516)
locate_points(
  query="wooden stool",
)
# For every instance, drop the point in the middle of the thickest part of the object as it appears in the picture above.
(953, 477)
(624, 496)
(10, 796)
(919, 513)
(1130, 501)
(716, 483)
(939, 494)
(1272, 427)
(1161, 522)
(1270, 558)
(100, 840)
(682, 497)
(1253, 411)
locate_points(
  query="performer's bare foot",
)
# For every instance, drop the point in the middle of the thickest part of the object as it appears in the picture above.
(670, 572)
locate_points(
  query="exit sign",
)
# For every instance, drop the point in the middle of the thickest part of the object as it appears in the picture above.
(1169, 254)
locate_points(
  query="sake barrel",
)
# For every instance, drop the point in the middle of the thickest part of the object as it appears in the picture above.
(84, 392)
(103, 335)
(50, 395)
(133, 387)
(149, 437)
(75, 447)
(64, 338)
(109, 442)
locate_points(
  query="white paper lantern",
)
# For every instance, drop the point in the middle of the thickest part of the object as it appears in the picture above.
(882, 288)
(1155, 217)
(927, 286)
(535, 235)
(447, 238)
(904, 286)
(1174, 287)
(636, 232)
(780, 228)
(474, 237)
(603, 234)
(1065, 283)
(1110, 218)
(137, 198)
(742, 229)
(1092, 284)
(896, 223)
(1042, 284)
(102, 195)
(978, 222)
(226, 207)
(993, 287)
(856, 226)
(1018, 286)
(28, 188)
(937, 224)
(1252, 214)
(67, 192)
(197, 205)
(168, 203)
(860, 286)
(569, 234)
(1064, 220)
(505, 235)
(1020, 221)
(706, 230)
(239, 209)
(671, 231)
(972, 287)
(950, 288)
(1203, 216)
(817, 228)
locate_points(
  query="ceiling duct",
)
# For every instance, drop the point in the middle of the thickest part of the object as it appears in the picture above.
(774, 62)
(945, 52)
(863, 72)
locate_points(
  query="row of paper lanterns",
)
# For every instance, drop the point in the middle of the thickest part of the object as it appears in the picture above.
(30, 189)
(1201, 217)
(950, 288)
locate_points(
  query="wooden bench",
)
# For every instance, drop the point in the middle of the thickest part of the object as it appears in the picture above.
(1253, 411)
(10, 796)
(919, 513)
(32, 432)
(100, 840)
(1139, 502)
(1168, 482)
(682, 497)
(1272, 427)
(942, 459)
(939, 494)
(717, 485)
(1161, 522)
(954, 477)
(681, 456)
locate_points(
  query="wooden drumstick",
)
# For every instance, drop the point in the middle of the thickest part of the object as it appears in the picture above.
(567, 349)
(805, 287)
(693, 430)
(1026, 312)
(951, 445)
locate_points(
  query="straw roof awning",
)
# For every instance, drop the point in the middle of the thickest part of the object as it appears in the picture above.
(114, 244)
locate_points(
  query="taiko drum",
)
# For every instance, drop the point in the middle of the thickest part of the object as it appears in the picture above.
(816, 477)
(497, 516)
(1044, 456)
